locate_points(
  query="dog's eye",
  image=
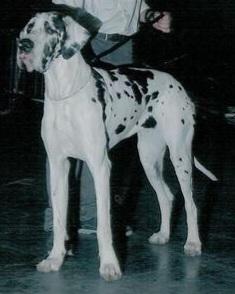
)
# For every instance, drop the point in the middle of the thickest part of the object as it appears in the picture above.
(48, 29)
(30, 27)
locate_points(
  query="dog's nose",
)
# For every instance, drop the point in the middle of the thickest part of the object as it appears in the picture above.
(26, 45)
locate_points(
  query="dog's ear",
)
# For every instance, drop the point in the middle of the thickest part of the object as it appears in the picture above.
(79, 26)
(74, 39)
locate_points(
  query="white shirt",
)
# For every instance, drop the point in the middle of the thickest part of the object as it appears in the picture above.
(118, 16)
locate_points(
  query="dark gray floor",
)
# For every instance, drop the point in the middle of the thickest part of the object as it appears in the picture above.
(147, 268)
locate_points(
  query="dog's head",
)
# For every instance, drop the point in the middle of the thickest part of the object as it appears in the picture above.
(47, 36)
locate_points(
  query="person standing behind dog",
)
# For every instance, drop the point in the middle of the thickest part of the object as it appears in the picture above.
(113, 45)
(120, 20)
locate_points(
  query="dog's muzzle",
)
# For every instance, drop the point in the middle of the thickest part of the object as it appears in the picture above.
(24, 54)
(25, 45)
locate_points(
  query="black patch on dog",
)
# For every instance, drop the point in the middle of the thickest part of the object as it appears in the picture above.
(119, 95)
(100, 90)
(125, 119)
(44, 63)
(93, 100)
(100, 85)
(180, 88)
(48, 52)
(171, 86)
(138, 76)
(180, 159)
(150, 109)
(112, 75)
(128, 84)
(58, 23)
(182, 120)
(48, 29)
(30, 27)
(147, 98)
(132, 117)
(127, 94)
(155, 95)
(186, 172)
(138, 95)
(120, 129)
(70, 51)
(149, 123)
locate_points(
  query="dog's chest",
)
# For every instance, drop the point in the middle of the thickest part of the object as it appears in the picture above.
(62, 126)
(62, 119)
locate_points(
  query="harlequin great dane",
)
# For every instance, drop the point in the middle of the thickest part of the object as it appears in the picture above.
(88, 110)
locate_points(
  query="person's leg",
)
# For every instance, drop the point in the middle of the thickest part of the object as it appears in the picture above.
(125, 185)
(124, 156)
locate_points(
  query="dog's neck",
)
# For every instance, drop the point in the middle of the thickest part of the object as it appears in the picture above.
(66, 77)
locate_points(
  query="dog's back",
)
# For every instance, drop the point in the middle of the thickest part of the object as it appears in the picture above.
(136, 99)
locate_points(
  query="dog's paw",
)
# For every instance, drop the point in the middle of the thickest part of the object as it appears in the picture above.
(50, 264)
(192, 248)
(158, 238)
(110, 272)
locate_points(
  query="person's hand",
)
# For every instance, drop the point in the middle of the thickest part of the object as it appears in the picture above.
(164, 23)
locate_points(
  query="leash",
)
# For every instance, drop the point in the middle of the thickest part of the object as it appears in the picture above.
(149, 20)
(97, 57)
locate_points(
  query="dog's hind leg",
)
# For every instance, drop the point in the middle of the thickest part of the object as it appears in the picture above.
(59, 168)
(109, 265)
(179, 141)
(151, 147)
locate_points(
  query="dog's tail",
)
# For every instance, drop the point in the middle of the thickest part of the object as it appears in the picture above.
(204, 170)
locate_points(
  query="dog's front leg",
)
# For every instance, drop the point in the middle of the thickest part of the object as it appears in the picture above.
(59, 169)
(109, 265)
